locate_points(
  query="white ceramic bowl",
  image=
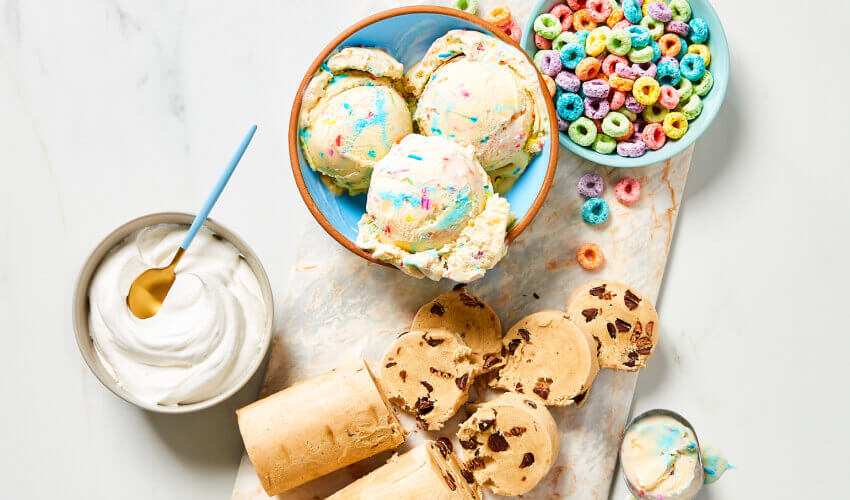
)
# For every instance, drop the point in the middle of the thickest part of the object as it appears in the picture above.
(80, 306)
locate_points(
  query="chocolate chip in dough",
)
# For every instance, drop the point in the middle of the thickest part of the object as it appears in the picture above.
(622, 326)
(497, 442)
(469, 444)
(490, 361)
(403, 375)
(438, 309)
(589, 314)
(468, 476)
(476, 463)
(424, 406)
(631, 300)
(445, 446)
(439, 373)
(531, 403)
(391, 364)
(611, 330)
(599, 291)
(428, 387)
(578, 399)
(542, 390)
(525, 334)
(462, 381)
(433, 342)
(469, 300)
(517, 431)
(527, 460)
(450, 481)
(513, 344)
(485, 424)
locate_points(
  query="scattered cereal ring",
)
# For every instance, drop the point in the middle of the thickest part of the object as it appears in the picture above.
(609, 64)
(631, 149)
(645, 69)
(619, 83)
(565, 15)
(618, 99)
(626, 71)
(619, 43)
(582, 131)
(643, 55)
(699, 30)
(627, 191)
(542, 43)
(692, 67)
(596, 108)
(633, 105)
(670, 45)
(500, 16)
(640, 36)
(685, 89)
(656, 28)
(550, 85)
(681, 10)
(653, 136)
(568, 81)
(692, 108)
(702, 51)
(596, 41)
(646, 90)
(598, 10)
(632, 11)
(468, 6)
(550, 62)
(513, 30)
(669, 97)
(704, 84)
(596, 88)
(659, 11)
(679, 28)
(572, 54)
(604, 145)
(547, 26)
(570, 106)
(590, 185)
(582, 20)
(615, 125)
(615, 17)
(655, 113)
(675, 125)
(595, 210)
(588, 68)
(590, 256)
(563, 39)
(668, 72)
(577, 4)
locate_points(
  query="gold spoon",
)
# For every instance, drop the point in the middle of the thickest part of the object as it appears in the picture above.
(148, 290)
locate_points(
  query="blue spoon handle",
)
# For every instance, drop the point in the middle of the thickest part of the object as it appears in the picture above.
(216, 192)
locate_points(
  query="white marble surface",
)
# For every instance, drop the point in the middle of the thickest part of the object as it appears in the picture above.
(112, 109)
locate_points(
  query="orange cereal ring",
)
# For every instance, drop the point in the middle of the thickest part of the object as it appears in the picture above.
(615, 17)
(582, 21)
(588, 69)
(590, 256)
(670, 45)
(500, 16)
(618, 82)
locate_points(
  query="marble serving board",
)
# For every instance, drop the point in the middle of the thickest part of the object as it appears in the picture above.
(340, 307)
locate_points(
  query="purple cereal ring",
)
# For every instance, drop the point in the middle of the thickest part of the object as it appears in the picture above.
(596, 108)
(550, 62)
(596, 88)
(633, 105)
(659, 11)
(678, 27)
(631, 148)
(568, 81)
(645, 69)
(625, 71)
(563, 125)
(590, 185)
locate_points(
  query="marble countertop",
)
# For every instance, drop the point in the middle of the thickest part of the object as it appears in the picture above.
(116, 108)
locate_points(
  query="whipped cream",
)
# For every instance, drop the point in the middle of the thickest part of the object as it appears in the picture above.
(204, 339)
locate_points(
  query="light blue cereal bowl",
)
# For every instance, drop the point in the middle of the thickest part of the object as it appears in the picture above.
(711, 103)
(406, 33)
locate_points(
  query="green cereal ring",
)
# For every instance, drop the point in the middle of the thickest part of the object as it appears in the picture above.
(604, 144)
(654, 113)
(704, 84)
(681, 10)
(685, 88)
(469, 6)
(582, 131)
(619, 43)
(643, 55)
(563, 39)
(615, 125)
(547, 26)
(538, 59)
(692, 108)
(628, 114)
(702, 51)
(656, 28)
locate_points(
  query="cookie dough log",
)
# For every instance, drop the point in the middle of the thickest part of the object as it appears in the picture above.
(509, 444)
(318, 426)
(548, 359)
(431, 470)
(622, 319)
(468, 316)
(428, 375)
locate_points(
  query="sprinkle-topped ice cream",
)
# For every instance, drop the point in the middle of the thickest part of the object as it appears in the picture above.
(431, 211)
(479, 91)
(351, 115)
(660, 457)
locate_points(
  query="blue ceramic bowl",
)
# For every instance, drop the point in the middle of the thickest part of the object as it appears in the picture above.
(406, 33)
(711, 103)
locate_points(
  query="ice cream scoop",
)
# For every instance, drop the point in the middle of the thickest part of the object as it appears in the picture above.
(351, 115)
(479, 91)
(431, 211)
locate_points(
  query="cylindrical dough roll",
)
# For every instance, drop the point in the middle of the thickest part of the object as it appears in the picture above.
(318, 426)
(510, 444)
(429, 470)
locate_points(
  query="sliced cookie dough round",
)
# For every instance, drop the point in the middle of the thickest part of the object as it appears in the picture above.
(468, 316)
(622, 319)
(509, 443)
(428, 375)
(548, 359)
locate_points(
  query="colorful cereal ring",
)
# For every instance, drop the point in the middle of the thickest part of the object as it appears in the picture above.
(702, 51)
(704, 85)
(577, 4)
(619, 43)
(588, 68)
(542, 43)
(653, 136)
(582, 21)
(659, 11)
(692, 67)
(681, 10)
(669, 97)
(631, 116)
(692, 108)
(500, 16)
(615, 17)
(645, 69)
(618, 99)
(627, 191)
(640, 36)
(656, 28)
(646, 90)
(572, 54)
(566, 37)
(679, 28)
(468, 6)
(565, 15)
(589, 255)
(595, 210)
(550, 85)
(597, 40)
(685, 89)
(668, 72)
(596, 108)
(619, 83)
(598, 10)
(656, 50)
(570, 106)
(631, 149)
(670, 45)
(513, 30)
(632, 11)
(675, 125)
(609, 64)
(643, 55)
(615, 125)
(699, 30)
(568, 81)
(550, 62)
(582, 131)
(633, 105)
(590, 185)
(596, 88)
(655, 113)
(547, 26)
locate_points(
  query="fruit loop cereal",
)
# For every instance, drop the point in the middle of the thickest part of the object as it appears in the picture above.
(630, 75)
(590, 185)
(627, 191)
(590, 256)
(469, 6)
(595, 210)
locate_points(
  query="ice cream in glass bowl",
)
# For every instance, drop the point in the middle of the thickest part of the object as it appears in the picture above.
(408, 81)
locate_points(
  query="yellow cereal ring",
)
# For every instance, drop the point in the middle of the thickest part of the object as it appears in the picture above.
(646, 90)
(675, 125)
(500, 16)
(597, 41)
(702, 51)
